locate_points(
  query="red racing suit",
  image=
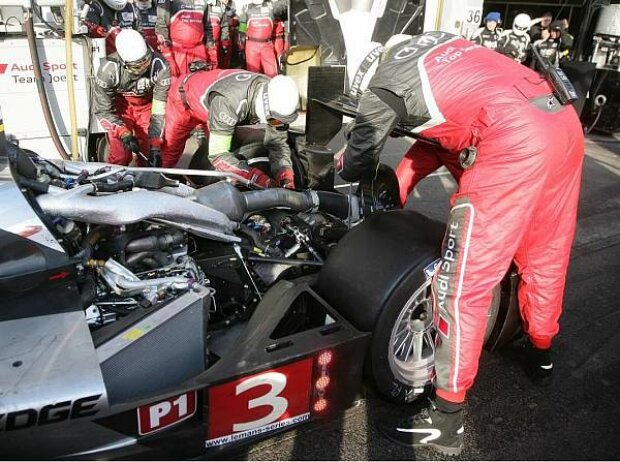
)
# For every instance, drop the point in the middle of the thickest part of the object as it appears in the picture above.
(104, 22)
(256, 26)
(146, 21)
(125, 103)
(222, 99)
(420, 161)
(517, 196)
(182, 31)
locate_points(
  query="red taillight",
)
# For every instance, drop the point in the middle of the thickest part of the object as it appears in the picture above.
(322, 383)
(320, 405)
(321, 373)
(325, 358)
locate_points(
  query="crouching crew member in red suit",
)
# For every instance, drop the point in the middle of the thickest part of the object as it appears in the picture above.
(521, 152)
(131, 89)
(223, 99)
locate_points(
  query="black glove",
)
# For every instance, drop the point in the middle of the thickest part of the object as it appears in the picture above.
(154, 157)
(131, 143)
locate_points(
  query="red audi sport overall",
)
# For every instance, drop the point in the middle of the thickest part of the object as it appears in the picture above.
(222, 99)
(518, 200)
(181, 31)
(257, 22)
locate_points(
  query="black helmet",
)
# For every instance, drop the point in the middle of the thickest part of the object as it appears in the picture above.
(556, 25)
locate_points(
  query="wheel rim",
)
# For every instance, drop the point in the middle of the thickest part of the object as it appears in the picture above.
(412, 344)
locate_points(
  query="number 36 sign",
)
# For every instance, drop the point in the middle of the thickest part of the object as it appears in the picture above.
(259, 403)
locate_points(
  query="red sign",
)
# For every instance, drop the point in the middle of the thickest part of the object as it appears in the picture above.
(259, 403)
(163, 414)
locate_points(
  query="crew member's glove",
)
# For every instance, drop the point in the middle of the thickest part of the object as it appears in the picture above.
(154, 157)
(286, 178)
(130, 142)
(260, 178)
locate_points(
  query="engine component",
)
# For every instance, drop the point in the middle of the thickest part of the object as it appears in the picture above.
(236, 204)
(134, 206)
(125, 283)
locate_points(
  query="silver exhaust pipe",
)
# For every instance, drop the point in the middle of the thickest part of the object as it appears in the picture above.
(129, 207)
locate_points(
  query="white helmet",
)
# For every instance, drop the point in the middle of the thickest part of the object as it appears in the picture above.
(278, 101)
(368, 63)
(133, 51)
(257, 2)
(116, 5)
(521, 24)
(143, 4)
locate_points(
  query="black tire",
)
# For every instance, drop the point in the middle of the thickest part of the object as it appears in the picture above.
(100, 150)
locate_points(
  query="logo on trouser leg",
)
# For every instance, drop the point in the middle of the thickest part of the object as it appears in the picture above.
(443, 326)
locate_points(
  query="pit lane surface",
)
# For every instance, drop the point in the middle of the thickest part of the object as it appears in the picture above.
(507, 417)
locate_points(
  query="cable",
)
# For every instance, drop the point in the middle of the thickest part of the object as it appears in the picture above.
(36, 63)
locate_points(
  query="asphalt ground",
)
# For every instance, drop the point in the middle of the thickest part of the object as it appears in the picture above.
(507, 417)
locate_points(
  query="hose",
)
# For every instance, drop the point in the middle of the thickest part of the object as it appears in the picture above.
(256, 201)
(45, 107)
(599, 101)
(70, 83)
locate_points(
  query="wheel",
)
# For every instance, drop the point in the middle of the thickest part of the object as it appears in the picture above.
(403, 344)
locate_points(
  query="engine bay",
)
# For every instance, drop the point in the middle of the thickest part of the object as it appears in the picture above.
(140, 239)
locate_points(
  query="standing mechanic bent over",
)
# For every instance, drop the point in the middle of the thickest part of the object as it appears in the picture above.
(181, 32)
(223, 99)
(131, 89)
(522, 154)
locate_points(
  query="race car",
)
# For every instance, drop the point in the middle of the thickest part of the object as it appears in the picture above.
(145, 318)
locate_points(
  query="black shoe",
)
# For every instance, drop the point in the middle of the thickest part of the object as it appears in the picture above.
(536, 363)
(430, 428)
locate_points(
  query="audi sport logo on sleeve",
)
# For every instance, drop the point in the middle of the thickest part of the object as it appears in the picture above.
(163, 414)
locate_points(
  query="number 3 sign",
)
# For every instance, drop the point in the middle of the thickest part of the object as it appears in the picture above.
(259, 401)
